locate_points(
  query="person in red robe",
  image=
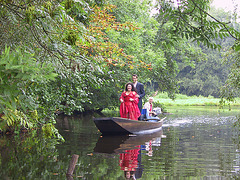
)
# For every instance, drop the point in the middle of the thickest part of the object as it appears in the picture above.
(129, 103)
(128, 162)
(128, 159)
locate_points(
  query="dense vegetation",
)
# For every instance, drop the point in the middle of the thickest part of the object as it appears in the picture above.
(209, 28)
(183, 100)
(66, 55)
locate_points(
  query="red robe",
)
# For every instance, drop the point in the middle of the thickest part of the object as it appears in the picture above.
(129, 109)
(129, 160)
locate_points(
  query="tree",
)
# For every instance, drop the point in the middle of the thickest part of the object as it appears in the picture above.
(67, 36)
(18, 70)
(42, 36)
(192, 20)
(150, 60)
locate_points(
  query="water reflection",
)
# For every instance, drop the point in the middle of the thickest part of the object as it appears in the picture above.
(201, 146)
(118, 144)
(129, 148)
(130, 163)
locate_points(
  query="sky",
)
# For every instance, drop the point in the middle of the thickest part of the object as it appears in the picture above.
(227, 5)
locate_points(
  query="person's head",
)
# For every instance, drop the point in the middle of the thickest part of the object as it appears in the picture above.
(129, 86)
(134, 78)
(129, 175)
(150, 100)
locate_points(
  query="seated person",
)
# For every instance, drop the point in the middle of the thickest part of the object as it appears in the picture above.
(149, 107)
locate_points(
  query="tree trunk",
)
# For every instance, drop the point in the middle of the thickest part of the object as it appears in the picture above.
(71, 166)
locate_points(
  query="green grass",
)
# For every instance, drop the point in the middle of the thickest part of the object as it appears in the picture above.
(183, 100)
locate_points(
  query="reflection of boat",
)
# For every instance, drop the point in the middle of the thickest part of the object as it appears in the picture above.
(118, 144)
(117, 125)
(129, 149)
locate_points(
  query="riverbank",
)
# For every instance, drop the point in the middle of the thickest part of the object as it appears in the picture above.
(163, 101)
(183, 100)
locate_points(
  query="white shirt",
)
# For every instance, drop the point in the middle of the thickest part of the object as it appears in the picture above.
(147, 106)
(135, 84)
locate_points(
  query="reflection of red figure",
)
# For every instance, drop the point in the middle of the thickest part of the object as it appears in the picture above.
(129, 160)
(149, 148)
(129, 109)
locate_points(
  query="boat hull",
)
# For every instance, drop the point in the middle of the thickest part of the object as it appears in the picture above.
(121, 143)
(116, 126)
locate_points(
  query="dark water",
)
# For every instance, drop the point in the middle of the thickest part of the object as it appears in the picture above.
(194, 143)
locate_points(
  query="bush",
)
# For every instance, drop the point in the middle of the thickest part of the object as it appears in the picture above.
(162, 106)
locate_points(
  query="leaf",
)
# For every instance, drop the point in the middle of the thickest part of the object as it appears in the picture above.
(237, 48)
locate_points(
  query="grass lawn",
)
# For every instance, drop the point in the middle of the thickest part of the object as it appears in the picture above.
(183, 100)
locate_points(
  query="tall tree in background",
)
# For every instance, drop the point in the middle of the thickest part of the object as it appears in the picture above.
(191, 20)
(207, 77)
(144, 46)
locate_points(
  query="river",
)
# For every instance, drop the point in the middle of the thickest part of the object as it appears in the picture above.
(194, 143)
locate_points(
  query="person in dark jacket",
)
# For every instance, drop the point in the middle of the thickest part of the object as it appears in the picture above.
(140, 90)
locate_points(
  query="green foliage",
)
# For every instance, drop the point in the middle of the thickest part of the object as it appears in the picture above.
(184, 100)
(49, 131)
(16, 66)
(12, 119)
(191, 20)
(18, 70)
(70, 61)
(65, 94)
(55, 76)
(142, 44)
(30, 14)
(208, 76)
(70, 38)
(161, 105)
(210, 28)
(56, 33)
(231, 88)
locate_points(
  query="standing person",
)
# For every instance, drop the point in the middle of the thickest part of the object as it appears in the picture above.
(129, 103)
(140, 90)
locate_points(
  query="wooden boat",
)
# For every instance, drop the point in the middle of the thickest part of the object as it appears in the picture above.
(117, 125)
